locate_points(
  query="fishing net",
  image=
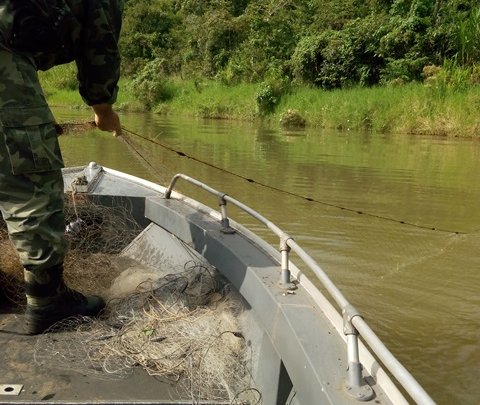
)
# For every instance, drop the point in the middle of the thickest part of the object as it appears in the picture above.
(181, 327)
(11, 271)
(99, 234)
(75, 127)
(94, 227)
(178, 325)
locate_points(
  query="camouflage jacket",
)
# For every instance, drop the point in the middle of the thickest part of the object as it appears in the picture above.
(53, 32)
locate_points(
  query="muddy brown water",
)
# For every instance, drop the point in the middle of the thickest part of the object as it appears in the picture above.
(395, 222)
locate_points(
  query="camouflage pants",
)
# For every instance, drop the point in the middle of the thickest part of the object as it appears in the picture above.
(31, 184)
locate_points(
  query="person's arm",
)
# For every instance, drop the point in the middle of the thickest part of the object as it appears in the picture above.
(98, 61)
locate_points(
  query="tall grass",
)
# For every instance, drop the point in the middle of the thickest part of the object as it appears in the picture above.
(211, 99)
(60, 86)
(468, 36)
(413, 108)
(446, 104)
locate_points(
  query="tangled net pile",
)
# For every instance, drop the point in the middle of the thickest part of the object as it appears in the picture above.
(75, 127)
(94, 227)
(11, 271)
(97, 233)
(100, 234)
(181, 327)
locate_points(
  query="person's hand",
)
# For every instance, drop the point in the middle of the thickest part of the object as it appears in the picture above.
(106, 119)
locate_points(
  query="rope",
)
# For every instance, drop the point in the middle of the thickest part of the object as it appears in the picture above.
(79, 181)
(135, 150)
(279, 190)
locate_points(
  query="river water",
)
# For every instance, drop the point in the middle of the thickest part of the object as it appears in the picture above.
(393, 219)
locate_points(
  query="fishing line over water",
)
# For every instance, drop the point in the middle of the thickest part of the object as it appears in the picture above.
(250, 180)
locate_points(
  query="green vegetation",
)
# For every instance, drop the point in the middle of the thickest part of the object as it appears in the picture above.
(60, 88)
(324, 43)
(386, 65)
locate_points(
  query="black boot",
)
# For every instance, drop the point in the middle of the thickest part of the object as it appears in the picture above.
(49, 300)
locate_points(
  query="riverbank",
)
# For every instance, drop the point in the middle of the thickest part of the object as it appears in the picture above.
(436, 108)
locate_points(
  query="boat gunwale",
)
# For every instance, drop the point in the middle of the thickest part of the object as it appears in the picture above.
(367, 359)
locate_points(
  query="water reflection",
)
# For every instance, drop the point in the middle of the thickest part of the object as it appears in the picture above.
(417, 287)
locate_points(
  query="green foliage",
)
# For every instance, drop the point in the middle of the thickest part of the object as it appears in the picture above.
(60, 85)
(266, 98)
(271, 91)
(340, 58)
(213, 111)
(334, 14)
(337, 60)
(307, 59)
(201, 7)
(214, 100)
(445, 80)
(63, 77)
(468, 37)
(148, 32)
(326, 60)
(212, 38)
(325, 43)
(149, 85)
(421, 32)
(271, 30)
(404, 45)
(404, 69)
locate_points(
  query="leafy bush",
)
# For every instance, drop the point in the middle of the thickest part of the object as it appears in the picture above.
(448, 78)
(149, 31)
(150, 87)
(329, 44)
(307, 59)
(405, 69)
(266, 100)
(271, 92)
(339, 58)
(270, 31)
(212, 39)
(326, 60)
(292, 119)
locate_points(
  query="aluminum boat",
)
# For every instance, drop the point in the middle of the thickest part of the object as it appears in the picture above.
(309, 345)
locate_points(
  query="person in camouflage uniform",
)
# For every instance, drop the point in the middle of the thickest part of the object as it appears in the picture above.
(36, 35)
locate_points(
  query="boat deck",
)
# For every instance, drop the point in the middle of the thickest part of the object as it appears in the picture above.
(41, 383)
